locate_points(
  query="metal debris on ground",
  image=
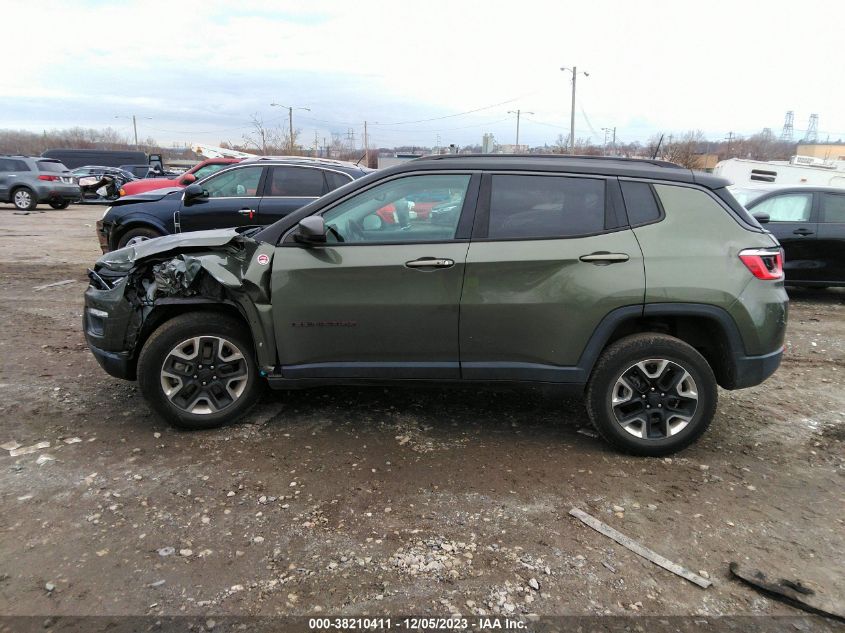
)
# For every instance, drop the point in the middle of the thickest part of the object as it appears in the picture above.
(792, 592)
(55, 283)
(26, 450)
(635, 547)
(10, 446)
(43, 459)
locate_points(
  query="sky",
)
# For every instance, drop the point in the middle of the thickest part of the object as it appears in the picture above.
(423, 72)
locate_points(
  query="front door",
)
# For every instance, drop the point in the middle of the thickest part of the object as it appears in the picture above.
(380, 300)
(793, 223)
(233, 200)
(831, 237)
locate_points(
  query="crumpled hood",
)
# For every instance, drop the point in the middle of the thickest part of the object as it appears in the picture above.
(125, 258)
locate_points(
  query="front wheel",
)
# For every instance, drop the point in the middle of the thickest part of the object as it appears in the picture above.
(198, 370)
(136, 236)
(651, 394)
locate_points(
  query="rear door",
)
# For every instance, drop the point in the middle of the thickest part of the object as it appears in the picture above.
(233, 200)
(550, 256)
(793, 221)
(831, 237)
(287, 189)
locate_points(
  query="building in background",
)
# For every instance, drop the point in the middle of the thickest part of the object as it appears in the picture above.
(825, 151)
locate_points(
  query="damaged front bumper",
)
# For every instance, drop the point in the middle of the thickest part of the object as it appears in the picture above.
(129, 285)
(107, 318)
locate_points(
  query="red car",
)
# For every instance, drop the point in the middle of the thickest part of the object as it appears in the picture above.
(197, 172)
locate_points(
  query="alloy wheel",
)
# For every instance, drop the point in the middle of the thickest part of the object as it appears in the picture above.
(23, 199)
(654, 399)
(204, 375)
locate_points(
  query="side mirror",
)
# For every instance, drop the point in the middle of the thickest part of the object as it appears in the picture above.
(194, 192)
(311, 230)
(187, 179)
(762, 218)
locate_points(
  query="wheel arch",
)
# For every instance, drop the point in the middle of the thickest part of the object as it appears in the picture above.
(135, 222)
(709, 329)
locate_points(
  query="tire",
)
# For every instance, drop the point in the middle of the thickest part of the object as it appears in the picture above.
(137, 235)
(167, 362)
(624, 367)
(64, 204)
(24, 199)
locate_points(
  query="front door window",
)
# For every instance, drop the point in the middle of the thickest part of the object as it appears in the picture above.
(237, 183)
(410, 209)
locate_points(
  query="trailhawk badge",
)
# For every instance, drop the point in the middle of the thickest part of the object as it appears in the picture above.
(263, 259)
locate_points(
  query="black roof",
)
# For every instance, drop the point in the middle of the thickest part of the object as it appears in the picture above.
(598, 165)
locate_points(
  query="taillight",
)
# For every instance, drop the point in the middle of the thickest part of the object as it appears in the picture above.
(763, 263)
(48, 177)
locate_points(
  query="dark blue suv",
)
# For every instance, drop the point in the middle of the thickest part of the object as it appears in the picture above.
(256, 191)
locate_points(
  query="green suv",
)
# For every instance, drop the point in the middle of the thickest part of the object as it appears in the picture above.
(638, 283)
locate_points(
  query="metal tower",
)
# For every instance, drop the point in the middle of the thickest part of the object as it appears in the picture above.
(812, 135)
(786, 135)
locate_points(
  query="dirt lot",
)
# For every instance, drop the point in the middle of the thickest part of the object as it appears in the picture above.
(388, 501)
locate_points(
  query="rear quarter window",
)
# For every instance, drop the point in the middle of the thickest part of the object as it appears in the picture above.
(640, 203)
(545, 207)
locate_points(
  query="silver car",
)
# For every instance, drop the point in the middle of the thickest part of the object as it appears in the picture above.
(25, 181)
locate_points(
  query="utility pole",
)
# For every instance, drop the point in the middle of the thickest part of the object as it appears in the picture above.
(316, 144)
(517, 113)
(134, 125)
(290, 110)
(366, 146)
(614, 140)
(604, 147)
(729, 138)
(574, 71)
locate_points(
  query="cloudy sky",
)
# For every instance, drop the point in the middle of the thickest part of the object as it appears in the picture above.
(195, 71)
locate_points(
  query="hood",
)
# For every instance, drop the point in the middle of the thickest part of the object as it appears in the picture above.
(124, 259)
(147, 196)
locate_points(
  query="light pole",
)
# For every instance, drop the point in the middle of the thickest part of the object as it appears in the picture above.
(133, 118)
(290, 121)
(574, 71)
(517, 113)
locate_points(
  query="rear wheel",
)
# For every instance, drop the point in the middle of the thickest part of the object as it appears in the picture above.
(198, 370)
(60, 204)
(24, 199)
(651, 394)
(135, 236)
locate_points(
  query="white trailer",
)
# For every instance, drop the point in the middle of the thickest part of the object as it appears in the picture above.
(801, 170)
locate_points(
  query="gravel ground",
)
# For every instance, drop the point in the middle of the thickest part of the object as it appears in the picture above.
(387, 501)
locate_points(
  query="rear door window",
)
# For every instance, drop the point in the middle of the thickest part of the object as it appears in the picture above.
(296, 182)
(833, 208)
(545, 206)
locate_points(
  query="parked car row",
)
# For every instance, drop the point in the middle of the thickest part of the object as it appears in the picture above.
(254, 191)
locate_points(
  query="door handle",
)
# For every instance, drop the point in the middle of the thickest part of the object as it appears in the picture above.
(604, 258)
(249, 212)
(430, 262)
(802, 232)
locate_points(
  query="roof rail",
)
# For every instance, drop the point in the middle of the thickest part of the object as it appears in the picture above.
(305, 159)
(648, 161)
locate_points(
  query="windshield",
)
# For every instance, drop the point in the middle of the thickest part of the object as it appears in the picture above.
(745, 195)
